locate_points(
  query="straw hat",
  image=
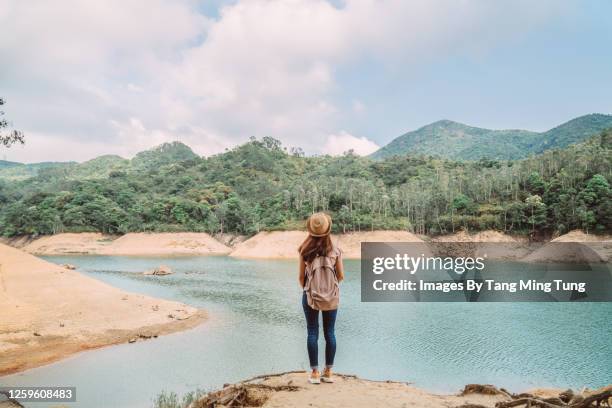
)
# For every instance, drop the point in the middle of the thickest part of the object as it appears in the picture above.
(319, 225)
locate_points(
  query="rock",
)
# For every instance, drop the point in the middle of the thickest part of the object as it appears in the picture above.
(37, 334)
(69, 266)
(160, 271)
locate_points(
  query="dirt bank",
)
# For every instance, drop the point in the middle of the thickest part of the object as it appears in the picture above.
(492, 244)
(280, 244)
(61, 244)
(292, 390)
(275, 244)
(581, 236)
(482, 236)
(574, 247)
(183, 243)
(284, 244)
(49, 312)
(351, 243)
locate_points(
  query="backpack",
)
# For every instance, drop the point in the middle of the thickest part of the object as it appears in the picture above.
(322, 288)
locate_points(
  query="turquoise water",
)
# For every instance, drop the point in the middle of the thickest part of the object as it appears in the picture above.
(256, 326)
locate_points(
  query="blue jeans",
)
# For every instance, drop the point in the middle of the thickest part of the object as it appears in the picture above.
(312, 325)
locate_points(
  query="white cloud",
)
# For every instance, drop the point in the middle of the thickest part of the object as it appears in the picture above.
(358, 106)
(80, 72)
(344, 141)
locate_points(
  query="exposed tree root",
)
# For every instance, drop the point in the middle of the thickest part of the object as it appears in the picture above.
(566, 399)
(8, 401)
(253, 393)
(241, 395)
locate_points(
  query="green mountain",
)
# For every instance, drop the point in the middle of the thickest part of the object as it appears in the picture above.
(259, 186)
(163, 154)
(100, 167)
(576, 130)
(455, 140)
(21, 171)
(6, 164)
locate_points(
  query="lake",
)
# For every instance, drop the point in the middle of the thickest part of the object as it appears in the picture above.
(256, 326)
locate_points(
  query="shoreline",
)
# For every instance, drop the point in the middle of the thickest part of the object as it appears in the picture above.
(52, 312)
(283, 244)
(291, 389)
(56, 348)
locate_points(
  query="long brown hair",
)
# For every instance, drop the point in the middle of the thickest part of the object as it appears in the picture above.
(315, 246)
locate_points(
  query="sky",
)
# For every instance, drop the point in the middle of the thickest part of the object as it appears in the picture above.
(85, 78)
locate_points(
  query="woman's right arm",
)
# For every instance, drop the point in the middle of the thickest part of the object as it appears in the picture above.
(302, 271)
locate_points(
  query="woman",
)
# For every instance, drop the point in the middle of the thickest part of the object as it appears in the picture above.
(321, 270)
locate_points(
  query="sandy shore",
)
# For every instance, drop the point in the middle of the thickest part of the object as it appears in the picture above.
(49, 312)
(293, 390)
(144, 244)
(60, 244)
(276, 244)
(284, 244)
(481, 236)
(183, 243)
(490, 244)
(575, 246)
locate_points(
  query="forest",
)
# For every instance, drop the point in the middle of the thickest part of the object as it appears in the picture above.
(262, 185)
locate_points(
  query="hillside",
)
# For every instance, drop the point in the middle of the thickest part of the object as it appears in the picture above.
(455, 140)
(6, 164)
(259, 186)
(100, 167)
(166, 153)
(21, 171)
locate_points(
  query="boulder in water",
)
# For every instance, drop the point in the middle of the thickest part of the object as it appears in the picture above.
(160, 271)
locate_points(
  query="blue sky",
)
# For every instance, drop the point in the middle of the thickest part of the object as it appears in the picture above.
(118, 78)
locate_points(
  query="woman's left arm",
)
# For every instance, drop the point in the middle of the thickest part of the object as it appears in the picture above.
(302, 272)
(339, 268)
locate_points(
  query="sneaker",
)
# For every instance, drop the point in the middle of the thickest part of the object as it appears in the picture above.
(314, 378)
(327, 377)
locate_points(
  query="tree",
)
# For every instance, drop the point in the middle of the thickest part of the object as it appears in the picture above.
(606, 138)
(535, 184)
(536, 211)
(13, 136)
(261, 186)
(462, 203)
(595, 210)
(344, 218)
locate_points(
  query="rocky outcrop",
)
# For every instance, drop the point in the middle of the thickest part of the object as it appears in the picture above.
(161, 270)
